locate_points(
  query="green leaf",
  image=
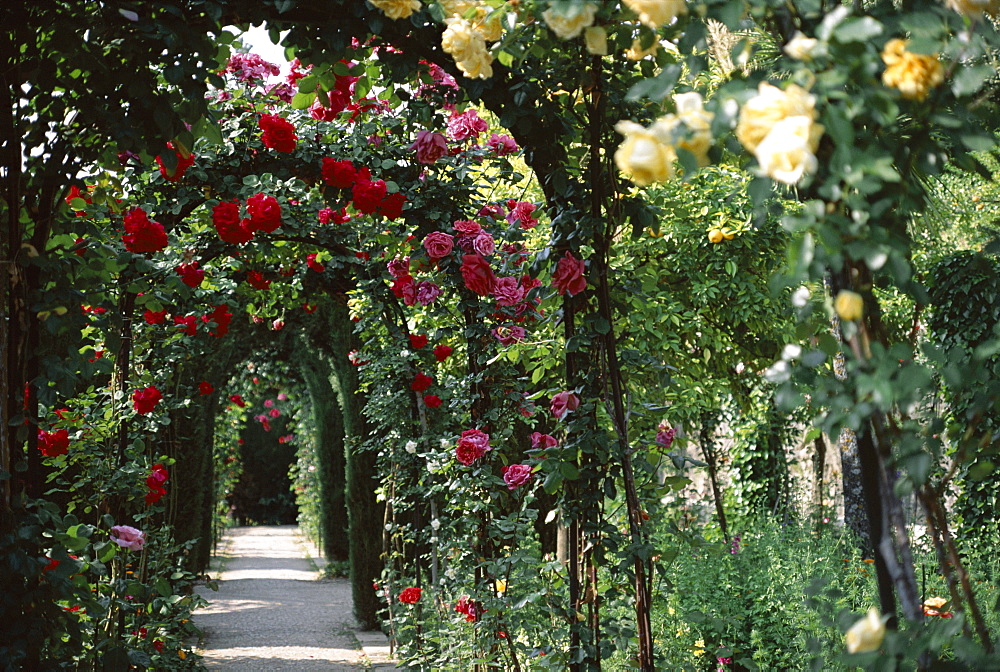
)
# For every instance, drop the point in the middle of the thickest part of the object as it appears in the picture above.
(970, 79)
(569, 471)
(657, 87)
(863, 29)
(505, 58)
(301, 101)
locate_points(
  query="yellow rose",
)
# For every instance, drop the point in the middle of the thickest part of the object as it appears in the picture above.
(974, 8)
(466, 45)
(637, 53)
(397, 9)
(690, 128)
(849, 306)
(597, 40)
(868, 633)
(801, 48)
(913, 74)
(490, 28)
(456, 7)
(785, 154)
(642, 156)
(656, 13)
(569, 22)
(770, 106)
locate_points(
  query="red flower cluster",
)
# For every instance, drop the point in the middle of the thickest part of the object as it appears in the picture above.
(279, 134)
(257, 280)
(146, 400)
(183, 163)
(191, 275)
(155, 482)
(432, 400)
(313, 264)
(75, 193)
(232, 229)
(421, 382)
(265, 213)
(417, 341)
(188, 324)
(53, 444)
(410, 595)
(339, 174)
(472, 609)
(569, 275)
(221, 317)
(472, 445)
(205, 387)
(154, 316)
(141, 234)
(477, 274)
(238, 400)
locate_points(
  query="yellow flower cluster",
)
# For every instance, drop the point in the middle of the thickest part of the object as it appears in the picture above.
(568, 21)
(485, 20)
(779, 127)
(647, 155)
(656, 13)
(866, 634)
(397, 9)
(913, 74)
(468, 47)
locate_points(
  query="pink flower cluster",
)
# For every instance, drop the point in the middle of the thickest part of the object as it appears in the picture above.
(128, 537)
(472, 445)
(251, 68)
(157, 477)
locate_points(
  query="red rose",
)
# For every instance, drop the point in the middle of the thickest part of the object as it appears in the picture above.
(466, 453)
(238, 400)
(146, 400)
(439, 244)
(417, 341)
(189, 324)
(392, 205)
(222, 317)
(368, 196)
(53, 444)
(142, 235)
(231, 229)
(442, 352)
(569, 275)
(182, 165)
(265, 213)
(421, 382)
(191, 275)
(278, 135)
(432, 401)
(410, 595)
(313, 264)
(204, 387)
(256, 280)
(477, 273)
(339, 174)
(154, 317)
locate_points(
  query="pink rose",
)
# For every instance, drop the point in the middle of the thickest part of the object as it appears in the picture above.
(509, 335)
(539, 440)
(128, 537)
(429, 146)
(491, 210)
(399, 267)
(463, 125)
(439, 244)
(483, 244)
(521, 212)
(477, 274)
(502, 144)
(426, 292)
(508, 291)
(564, 401)
(467, 227)
(569, 275)
(516, 475)
(473, 441)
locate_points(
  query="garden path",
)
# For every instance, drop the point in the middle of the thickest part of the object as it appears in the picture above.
(273, 612)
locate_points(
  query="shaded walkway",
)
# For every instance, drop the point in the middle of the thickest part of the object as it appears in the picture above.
(273, 613)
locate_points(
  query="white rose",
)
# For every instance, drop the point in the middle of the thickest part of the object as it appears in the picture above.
(411, 446)
(785, 154)
(569, 22)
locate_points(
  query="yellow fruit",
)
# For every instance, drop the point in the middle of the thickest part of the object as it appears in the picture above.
(715, 236)
(728, 233)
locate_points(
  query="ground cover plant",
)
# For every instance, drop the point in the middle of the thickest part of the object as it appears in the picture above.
(640, 335)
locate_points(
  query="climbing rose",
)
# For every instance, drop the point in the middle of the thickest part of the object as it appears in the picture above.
(339, 174)
(154, 317)
(508, 335)
(539, 440)
(183, 163)
(265, 213)
(569, 275)
(429, 146)
(313, 264)
(432, 400)
(656, 13)
(53, 444)
(472, 445)
(410, 595)
(568, 21)
(205, 387)
(467, 46)
(472, 609)
(467, 227)
(914, 75)
(128, 537)
(421, 382)
(231, 229)
(274, 413)
(417, 341)
(508, 291)
(142, 235)
(238, 400)
(392, 205)
(477, 274)
(502, 144)
(250, 67)
(516, 475)
(256, 280)
(521, 212)
(427, 291)
(466, 454)
(564, 401)
(279, 134)
(191, 275)
(222, 317)
(484, 244)
(144, 401)
(464, 125)
(399, 268)
(439, 244)
(188, 324)
(665, 435)
(368, 196)
(442, 352)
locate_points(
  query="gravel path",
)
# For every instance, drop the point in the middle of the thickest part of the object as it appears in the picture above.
(273, 613)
